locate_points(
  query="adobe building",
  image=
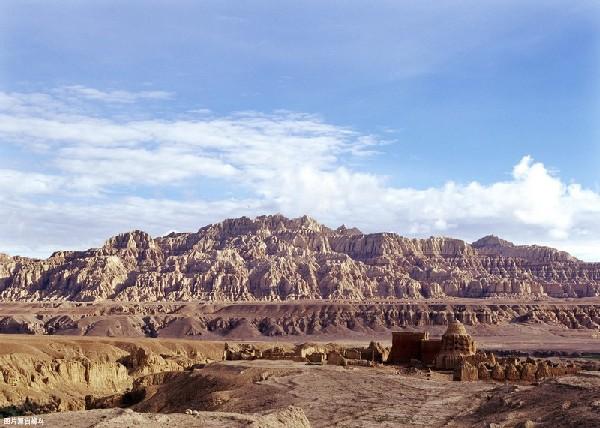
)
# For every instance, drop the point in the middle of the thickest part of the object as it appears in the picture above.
(408, 345)
(429, 350)
(445, 353)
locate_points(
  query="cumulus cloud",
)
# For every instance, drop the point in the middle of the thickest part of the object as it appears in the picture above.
(93, 175)
(533, 198)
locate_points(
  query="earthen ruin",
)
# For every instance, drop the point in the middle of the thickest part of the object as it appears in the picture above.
(445, 353)
(456, 344)
(457, 351)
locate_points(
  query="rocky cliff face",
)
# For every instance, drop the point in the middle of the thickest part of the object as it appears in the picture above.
(276, 258)
(56, 375)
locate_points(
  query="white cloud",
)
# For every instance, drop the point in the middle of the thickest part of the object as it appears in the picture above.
(109, 166)
(533, 198)
(94, 167)
(112, 96)
(13, 182)
(39, 227)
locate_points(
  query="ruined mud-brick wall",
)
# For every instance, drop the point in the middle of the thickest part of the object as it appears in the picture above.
(429, 350)
(317, 357)
(510, 369)
(406, 346)
(375, 352)
(334, 358)
(353, 354)
(465, 372)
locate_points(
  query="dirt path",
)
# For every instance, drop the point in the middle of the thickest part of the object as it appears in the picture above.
(367, 397)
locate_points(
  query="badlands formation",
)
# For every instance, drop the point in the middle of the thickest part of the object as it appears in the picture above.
(134, 333)
(271, 277)
(273, 258)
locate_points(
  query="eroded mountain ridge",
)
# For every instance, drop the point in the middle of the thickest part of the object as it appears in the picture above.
(276, 258)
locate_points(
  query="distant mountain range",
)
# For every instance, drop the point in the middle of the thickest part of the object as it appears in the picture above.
(276, 258)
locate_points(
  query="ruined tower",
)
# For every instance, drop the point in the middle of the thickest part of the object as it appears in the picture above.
(456, 344)
(406, 345)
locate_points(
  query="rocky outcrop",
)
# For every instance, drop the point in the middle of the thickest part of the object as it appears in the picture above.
(493, 246)
(291, 417)
(273, 258)
(58, 374)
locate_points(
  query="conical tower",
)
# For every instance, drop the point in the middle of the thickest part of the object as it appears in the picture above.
(456, 344)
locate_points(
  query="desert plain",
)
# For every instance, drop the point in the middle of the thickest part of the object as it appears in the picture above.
(104, 351)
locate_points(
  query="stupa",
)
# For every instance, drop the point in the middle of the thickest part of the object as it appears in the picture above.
(456, 344)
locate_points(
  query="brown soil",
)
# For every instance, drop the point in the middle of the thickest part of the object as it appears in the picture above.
(572, 401)
(174, 379)
(125, 418)
(375, 397)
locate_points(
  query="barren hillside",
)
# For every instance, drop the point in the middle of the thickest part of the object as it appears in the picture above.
(276, 258)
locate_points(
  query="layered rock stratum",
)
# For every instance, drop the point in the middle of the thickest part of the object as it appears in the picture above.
(273, 258)
(325, 320)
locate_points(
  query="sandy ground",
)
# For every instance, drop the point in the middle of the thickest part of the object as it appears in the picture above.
(126, 418)
(332, 396)
(375, 397)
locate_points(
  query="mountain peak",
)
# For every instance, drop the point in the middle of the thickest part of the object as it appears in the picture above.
(492, 241)
(136, 239)
(273, 257)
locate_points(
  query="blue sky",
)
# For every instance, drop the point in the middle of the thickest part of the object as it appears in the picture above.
(457, 118)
